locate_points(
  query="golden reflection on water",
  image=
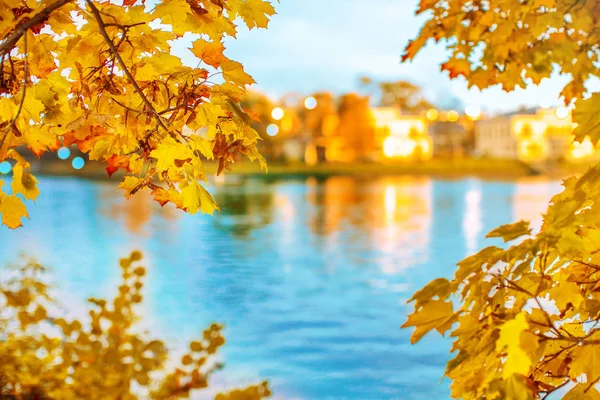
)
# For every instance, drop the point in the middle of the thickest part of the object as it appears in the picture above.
(472, 221)
(135, 212)
(394, 213)
(531, 199)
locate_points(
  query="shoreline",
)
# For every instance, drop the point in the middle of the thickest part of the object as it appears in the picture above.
(486, 169)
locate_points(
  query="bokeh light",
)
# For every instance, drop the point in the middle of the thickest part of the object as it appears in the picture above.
(562, 112)
(277, 113)
(398, 147)
(453, 116)
(473, 112)
(5, 167)
(432, 114)
(78, 163)
(272, 130)
(310, 103)
(64, 153)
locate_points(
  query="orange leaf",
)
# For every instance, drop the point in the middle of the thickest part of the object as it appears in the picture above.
(253, 115)
(457, 67)
(209, 52)
(115, 162)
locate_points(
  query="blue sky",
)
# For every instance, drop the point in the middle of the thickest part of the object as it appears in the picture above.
(328, 44)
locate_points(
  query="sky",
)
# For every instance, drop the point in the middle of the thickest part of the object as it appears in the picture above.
(314, 45)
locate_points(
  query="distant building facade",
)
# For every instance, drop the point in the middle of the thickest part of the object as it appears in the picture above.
(448, 138)
(531, 136)
(400, 136)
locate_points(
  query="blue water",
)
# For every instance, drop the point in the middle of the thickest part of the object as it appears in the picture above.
(310, 276)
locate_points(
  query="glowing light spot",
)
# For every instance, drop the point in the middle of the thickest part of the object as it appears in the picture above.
(398, 147)
(473, 112)
(583, 149)
(5, 167)
(562, 112)
(310, 103)
(78, 163)
(272, 130)
(64, 153)
(432, 114)
(453, 116)
(277, 113)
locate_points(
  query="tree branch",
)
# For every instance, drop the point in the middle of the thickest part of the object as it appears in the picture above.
(20, 30)
(25, 72)
(115, 52)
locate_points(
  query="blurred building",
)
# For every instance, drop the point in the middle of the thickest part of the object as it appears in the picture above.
(400, 136)
(531, 136)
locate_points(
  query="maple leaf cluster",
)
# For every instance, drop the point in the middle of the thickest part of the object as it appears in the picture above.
(513, 43)
(525, 319)
(101, 76)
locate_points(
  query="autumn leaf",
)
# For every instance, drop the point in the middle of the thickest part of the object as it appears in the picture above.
(115, 162)
(233, 72)
(436, 314)
(12, 210)
(131, 185)
(24, 183)
(255, 13)
(457, 67)
(517, 361)
(196, 198)
(511, 231)
(585, 360)
(437, 288)
(582, 392)
(587, 118)
(209, 52)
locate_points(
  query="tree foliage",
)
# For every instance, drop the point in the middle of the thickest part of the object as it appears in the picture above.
(45, 356)
(401, 94)
(525, 319)
(101, 76)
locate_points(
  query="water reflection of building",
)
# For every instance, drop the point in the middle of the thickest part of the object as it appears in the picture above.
(531, 199)
(472, 223)
(531, 135)
(392, 214)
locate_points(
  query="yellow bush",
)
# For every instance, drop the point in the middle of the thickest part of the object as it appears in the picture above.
(43, 356)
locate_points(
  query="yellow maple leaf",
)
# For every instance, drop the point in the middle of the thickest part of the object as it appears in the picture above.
(517, 361)
(234, 72)
(255, 13)
(582, 392)
(167, 152)
(12, 210)
(24, 183)
(433, 315)
(195, 198)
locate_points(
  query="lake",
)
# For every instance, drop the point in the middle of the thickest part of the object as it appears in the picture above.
(310, 276)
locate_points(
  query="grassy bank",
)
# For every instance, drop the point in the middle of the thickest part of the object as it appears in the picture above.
(493, 169)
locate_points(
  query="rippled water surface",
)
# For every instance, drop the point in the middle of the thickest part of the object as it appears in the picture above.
(310, 276)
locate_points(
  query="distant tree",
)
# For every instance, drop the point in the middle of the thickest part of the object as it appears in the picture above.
(356, 125)
(316, 120)
(401, 94)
